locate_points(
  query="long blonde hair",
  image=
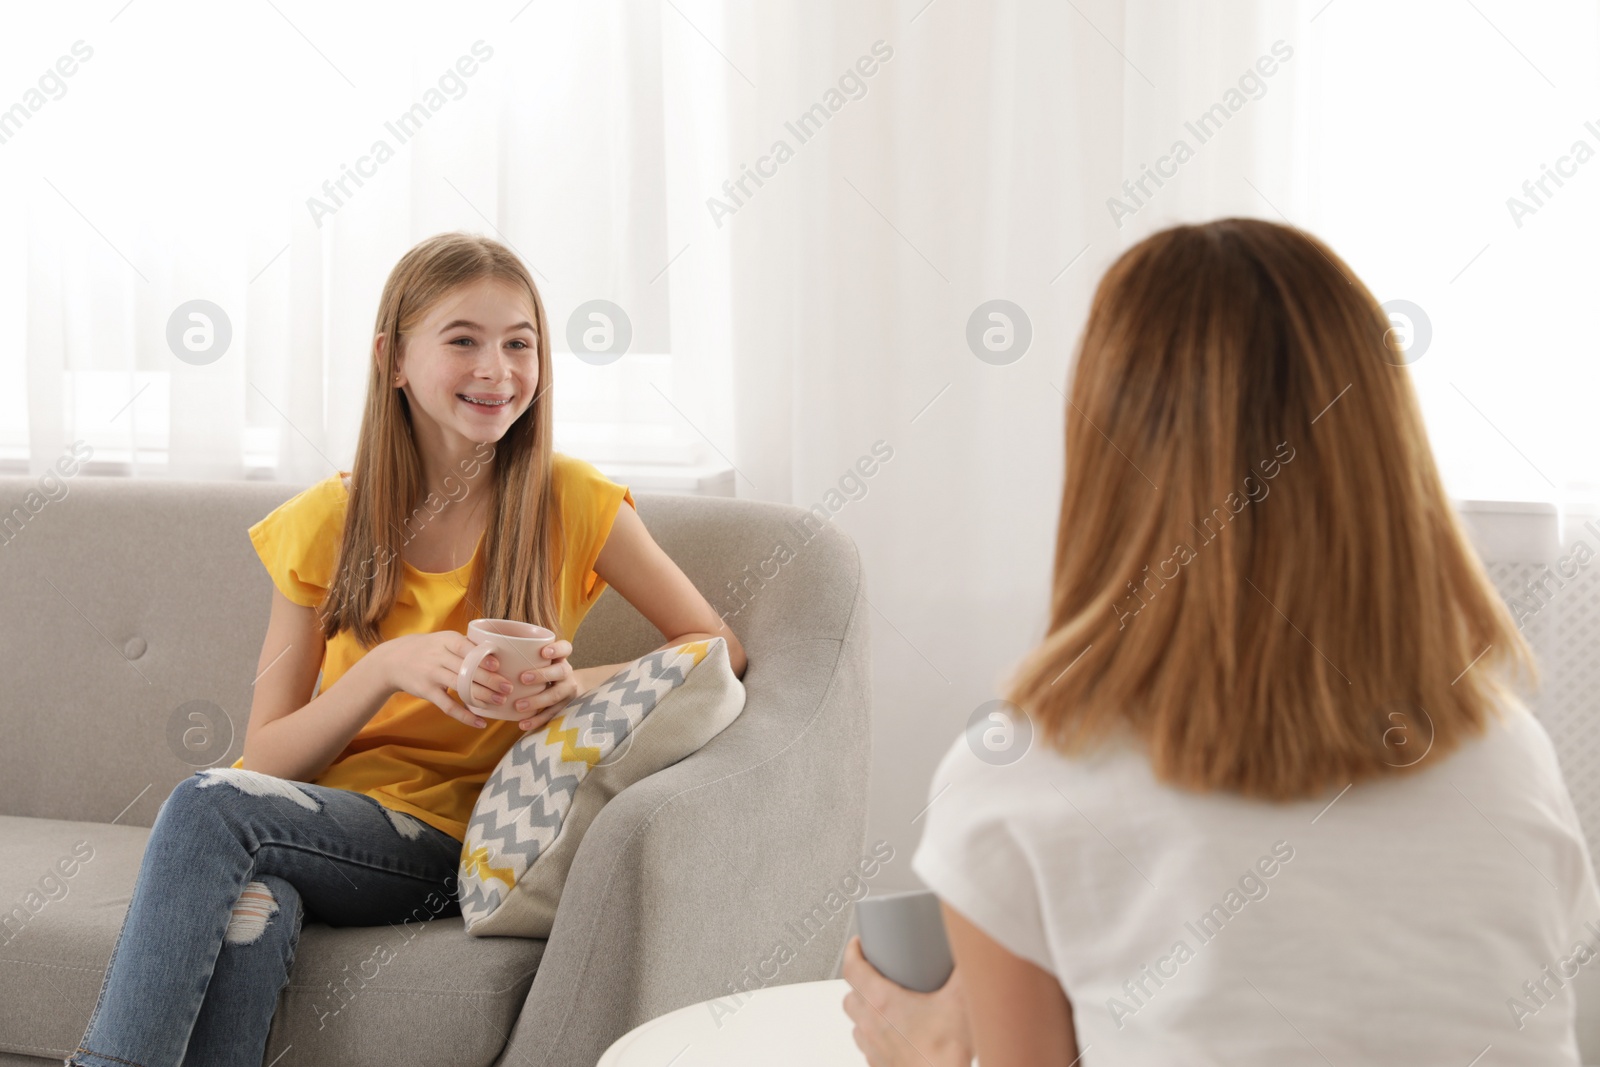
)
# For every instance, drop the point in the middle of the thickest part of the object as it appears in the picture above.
(1257, 571)
(522, 546)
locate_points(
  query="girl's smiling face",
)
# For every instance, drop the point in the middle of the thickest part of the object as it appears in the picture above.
(471, 368)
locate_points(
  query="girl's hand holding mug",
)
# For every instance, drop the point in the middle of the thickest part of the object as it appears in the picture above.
(434, 666)
(427, 666)
(559, 679)
(522, 668)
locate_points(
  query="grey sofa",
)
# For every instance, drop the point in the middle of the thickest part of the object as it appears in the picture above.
(134, 610)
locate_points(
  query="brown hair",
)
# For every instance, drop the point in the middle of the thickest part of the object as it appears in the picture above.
(521, 556)
(1257, 571)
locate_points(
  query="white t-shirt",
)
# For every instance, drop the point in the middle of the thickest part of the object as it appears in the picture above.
(1395, 923)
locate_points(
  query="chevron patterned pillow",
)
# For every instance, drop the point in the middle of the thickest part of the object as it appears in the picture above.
(547, 789)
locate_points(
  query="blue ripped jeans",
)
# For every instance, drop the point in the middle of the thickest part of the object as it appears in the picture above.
(234, 863)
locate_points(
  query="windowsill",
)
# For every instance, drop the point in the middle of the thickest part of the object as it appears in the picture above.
(699, 479)
(1518, 530)
(694, 479)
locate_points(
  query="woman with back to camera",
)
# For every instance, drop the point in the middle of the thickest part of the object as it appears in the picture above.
(1280, 805)
(351, 807)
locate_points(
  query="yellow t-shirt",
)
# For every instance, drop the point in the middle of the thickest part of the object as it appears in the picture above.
(411, 756)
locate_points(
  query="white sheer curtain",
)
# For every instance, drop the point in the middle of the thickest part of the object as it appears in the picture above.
(276, 162)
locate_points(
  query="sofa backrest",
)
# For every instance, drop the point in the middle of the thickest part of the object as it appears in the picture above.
(134, 611)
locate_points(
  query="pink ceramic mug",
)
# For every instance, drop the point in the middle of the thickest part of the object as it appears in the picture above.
(516, 645)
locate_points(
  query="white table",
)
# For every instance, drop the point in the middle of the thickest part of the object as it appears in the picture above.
(799, 1025)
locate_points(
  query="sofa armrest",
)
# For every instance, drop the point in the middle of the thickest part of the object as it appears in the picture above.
(689, 884)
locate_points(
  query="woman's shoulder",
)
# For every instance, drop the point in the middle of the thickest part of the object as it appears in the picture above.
(1512, 763)
(1514, 748)
(994, 780)
(1003, 756)
(1522, 728)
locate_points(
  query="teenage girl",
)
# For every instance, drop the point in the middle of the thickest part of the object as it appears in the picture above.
(1268, 799)
(351, 807)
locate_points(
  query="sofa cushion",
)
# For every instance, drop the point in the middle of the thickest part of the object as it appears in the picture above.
(420, 992)
(532, 812)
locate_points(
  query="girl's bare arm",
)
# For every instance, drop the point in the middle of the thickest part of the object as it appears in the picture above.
(637, 568)
(288, 736)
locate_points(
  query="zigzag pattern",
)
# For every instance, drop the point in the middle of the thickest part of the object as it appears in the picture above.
(523, 805)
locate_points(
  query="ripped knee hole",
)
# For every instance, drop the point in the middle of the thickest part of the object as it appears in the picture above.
(256, 905)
